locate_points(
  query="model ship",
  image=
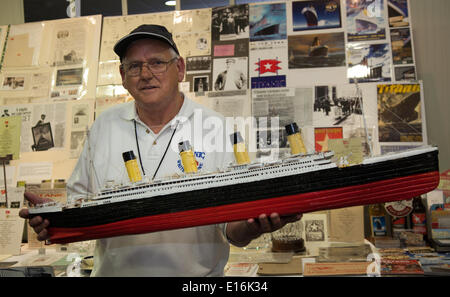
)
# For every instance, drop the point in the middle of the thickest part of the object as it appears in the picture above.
(299, 183)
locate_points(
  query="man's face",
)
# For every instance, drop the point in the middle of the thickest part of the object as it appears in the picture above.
(147, 88)
(229, 64)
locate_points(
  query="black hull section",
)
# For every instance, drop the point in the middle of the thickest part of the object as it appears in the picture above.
(284, 186)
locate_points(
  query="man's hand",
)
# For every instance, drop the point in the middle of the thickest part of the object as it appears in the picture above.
(242, 232)
(39, 225)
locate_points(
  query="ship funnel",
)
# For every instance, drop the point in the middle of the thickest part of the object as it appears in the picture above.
(240, 152)
(132, 166)
(295, 139)
(187, 157)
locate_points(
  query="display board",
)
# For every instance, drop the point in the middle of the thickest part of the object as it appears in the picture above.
(320, 63)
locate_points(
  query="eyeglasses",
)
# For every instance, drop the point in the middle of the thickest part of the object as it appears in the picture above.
(154, 66)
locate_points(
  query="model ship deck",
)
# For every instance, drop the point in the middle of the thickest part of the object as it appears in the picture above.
(297, 185)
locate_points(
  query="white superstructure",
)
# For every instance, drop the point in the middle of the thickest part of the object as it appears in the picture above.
(233, 175)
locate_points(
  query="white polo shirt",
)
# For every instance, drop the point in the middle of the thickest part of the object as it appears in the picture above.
(198, 251)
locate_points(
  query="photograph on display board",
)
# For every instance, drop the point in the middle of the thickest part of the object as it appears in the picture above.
(369, 62)
(401, 46)
(193, 43)
(230, 74)
(201, 83)
(322, 135)
(198, 73)
(314, 15)
(405, 73)
(365, 20)
(337, 106)
(42, 137)
(198, 64)
(13, 83)
(70, 44)
(399, 113)
(398, 13)
(230, 22)
(69, 77)
(268, 64)
(267, 21)
(316, 50)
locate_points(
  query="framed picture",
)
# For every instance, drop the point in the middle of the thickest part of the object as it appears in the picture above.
(42, 137)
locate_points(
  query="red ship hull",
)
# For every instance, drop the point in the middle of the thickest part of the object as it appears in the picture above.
(376, 192)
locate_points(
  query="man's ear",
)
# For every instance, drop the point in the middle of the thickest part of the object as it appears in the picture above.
(122, 74)
(181, 69)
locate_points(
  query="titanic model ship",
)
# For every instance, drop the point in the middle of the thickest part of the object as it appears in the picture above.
(299, 183)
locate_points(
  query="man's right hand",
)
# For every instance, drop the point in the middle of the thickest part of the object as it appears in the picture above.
(37, 223)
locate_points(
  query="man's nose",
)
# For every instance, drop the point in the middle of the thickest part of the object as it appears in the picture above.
(145, 71)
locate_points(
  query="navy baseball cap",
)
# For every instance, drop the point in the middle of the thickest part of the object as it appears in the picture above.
(144, 31)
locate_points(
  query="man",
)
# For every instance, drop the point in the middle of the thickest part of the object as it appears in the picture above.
(151, 70)
(231, 78)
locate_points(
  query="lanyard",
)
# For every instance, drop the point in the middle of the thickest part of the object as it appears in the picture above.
(162, 158)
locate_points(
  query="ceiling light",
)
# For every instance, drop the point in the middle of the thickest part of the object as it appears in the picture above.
(171, 3)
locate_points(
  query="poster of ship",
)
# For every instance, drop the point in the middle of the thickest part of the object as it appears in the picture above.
(398, 13)
(316, 50)
(399, 113)
(366, 20)
(314, 15)
(401, 46)
(369, 62)
(267, 21)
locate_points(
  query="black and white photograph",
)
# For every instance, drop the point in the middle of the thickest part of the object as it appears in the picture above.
(337, 105)
(13, 83)
(230, 74)
(69, 77)
(314, 230)
(80, 116)
(198, 64)
(201, 83)
(230, 22)
(42, 136)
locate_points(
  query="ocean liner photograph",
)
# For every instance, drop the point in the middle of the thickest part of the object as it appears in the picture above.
(302, 182)
(314, 15)
(268, 22)
(316, 50)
